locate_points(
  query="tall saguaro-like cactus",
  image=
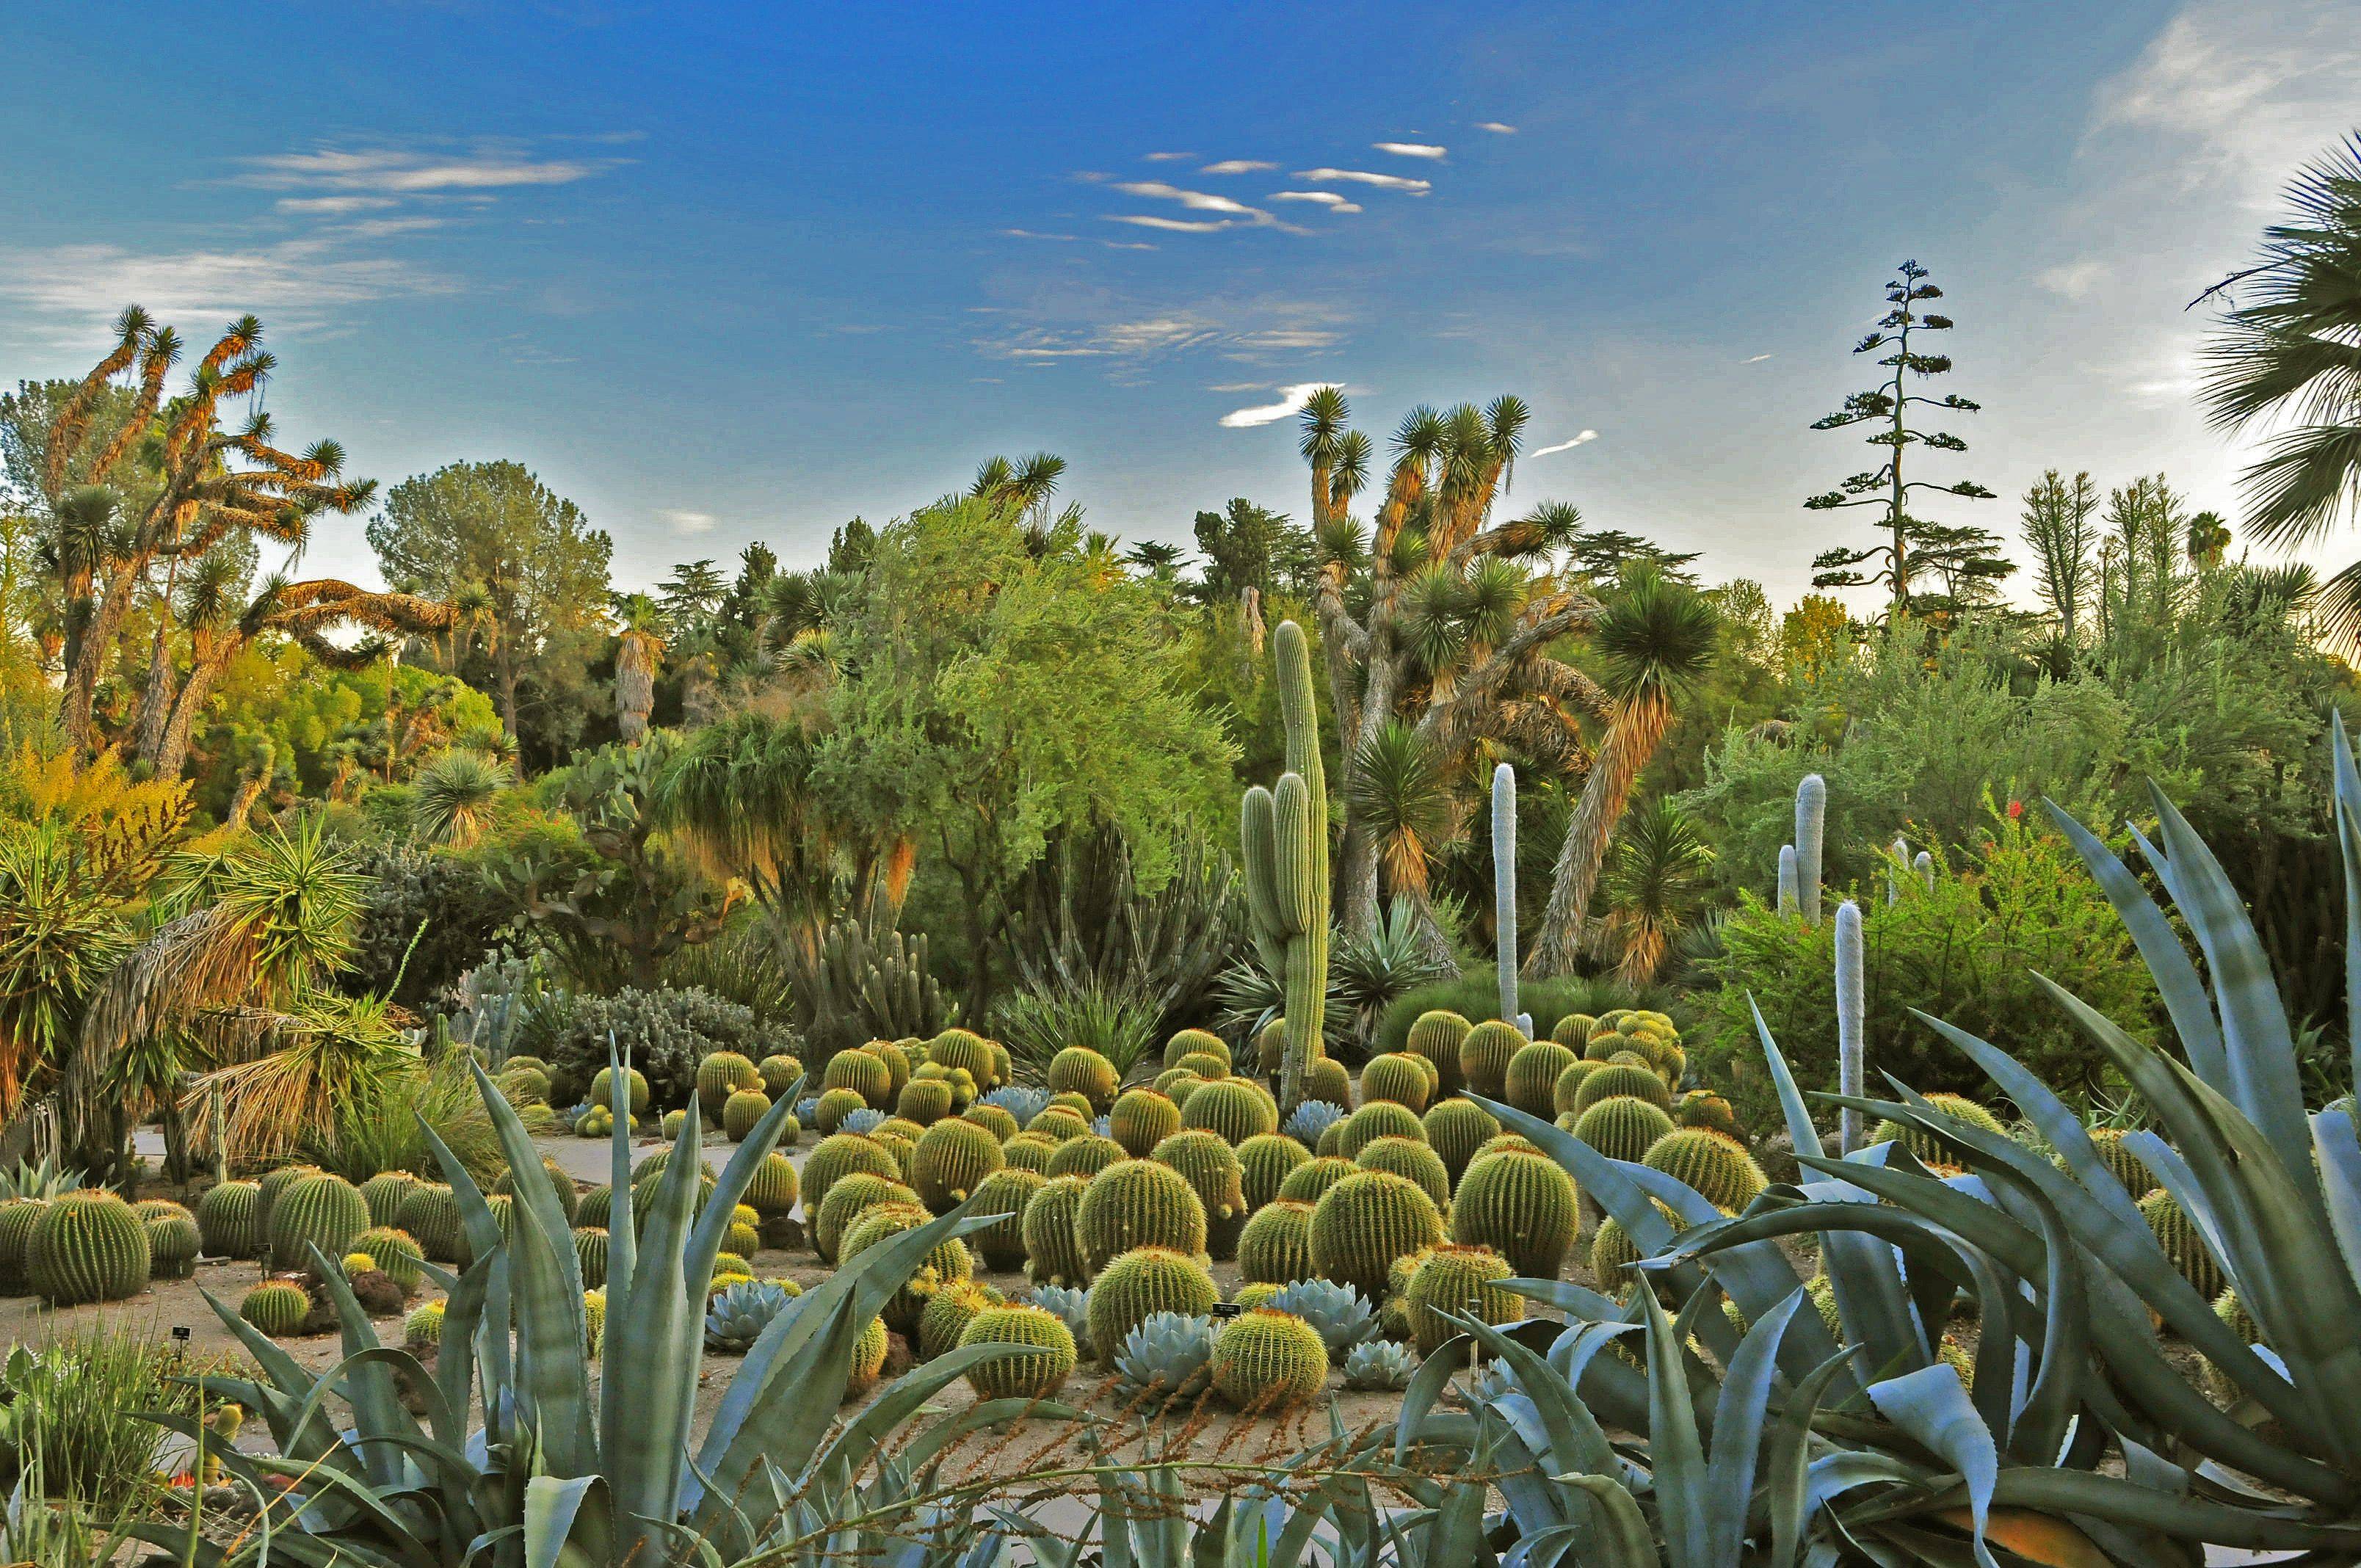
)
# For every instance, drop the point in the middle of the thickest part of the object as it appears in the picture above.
(1283, 833)
(1852, 1019)
(1504, 892)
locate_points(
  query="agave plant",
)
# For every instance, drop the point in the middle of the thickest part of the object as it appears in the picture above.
(1168, 1356)
(516, 1461)
(1380, 1366)
(1340, 1312)
(740, 1312)
(1022, 1101)
(1310, 1119)
(46, 1180)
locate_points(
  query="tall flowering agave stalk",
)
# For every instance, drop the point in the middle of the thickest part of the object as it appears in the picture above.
(554, 1472)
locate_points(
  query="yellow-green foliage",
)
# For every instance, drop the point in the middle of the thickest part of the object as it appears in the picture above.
(719, 1076)
(1139, 1283)
(1006, 1191)
(742, 1239)
(1715, 1165)
(848, 1197)
(2182, 1247)
(1266, 1361)
(1930, 1149)
(1086, 1155)
(1264, 1162)
(1436, 1036)
(1049, 1360)
(1399, 1076)
(1614, 1078)
(1408, 1157)
(741, 1112)
(1378, 1119)
(1484, 1057)
(1080, 1105)
(325, 1212)
(898, 1066)
(1254, 1293)
(1622, 1127)
(422, 1327)
(948, 1315)
(1275, 1247)
(1462, 1280)
(1365, 1221)
(1078, 1069)
(1522, 1206)
(1141, 1119)
(948, 1263)
(1233, 1109)
(952, 1158)
(925, 1100)
(834, 1157)
(1053, 1248)
(1315, 1176)
(1531, 1083)
(278, 1307)
(969, 1052)
(1029, 1151)
(1059, 1122)
(773, 1190)
(1140, 1202)
(1197, 1042)
(1458, 1129)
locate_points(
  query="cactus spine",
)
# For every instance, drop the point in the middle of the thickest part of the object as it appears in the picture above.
(1275, 1249)
(1458, 1129)
(1436, 1036)
(1504, 892)
(1716, 1166)
(1233, 1109)
(1142, 1119)
(1811, 829)
(952, 1158)
(1852, 1018)
(1137, 1283)
(1033, 1376)
(1140, 1202)
(323, 1210)
(1462, 1280)
(230, 1216)
(1053, 1248)
(1367, 1221)
(1267, 1361)
(1522, 1206)
(1284, 837)
(1004, 1192)
(1533, 1072)
(1264, 1162)
(278, 1307)
(87, 1246)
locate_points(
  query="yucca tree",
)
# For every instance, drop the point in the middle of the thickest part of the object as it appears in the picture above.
(1430, 616)
(1404, 800)
(639, 652)
(1655, 889)
(1657, 638)
(2289, 360)
(453, 797)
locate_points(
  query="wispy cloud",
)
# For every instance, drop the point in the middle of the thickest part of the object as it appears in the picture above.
(1581, 439)
(1237, 166)
(297, 285)
(332, 206)
(1126, 245)
(1363, 177)
(2073, 279)
(1412, 148)
(1328, 199)
(1171, 226)
(1755, 360)
(390, 170)
(1495, 128)
(1165, 156)
(1195, 201)
(686, 521)
(1030, 233)
(1083, 325)
(1290, 403)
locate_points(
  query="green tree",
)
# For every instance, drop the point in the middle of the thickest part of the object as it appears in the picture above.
(535, 556)
(998, 682)
(1886, 409)
(2290, 360)
(1247, 546)
(2059, 528)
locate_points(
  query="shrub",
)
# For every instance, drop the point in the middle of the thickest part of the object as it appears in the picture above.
(81, 1411)
(1964, 950)
(428, 918)
(668, 1033)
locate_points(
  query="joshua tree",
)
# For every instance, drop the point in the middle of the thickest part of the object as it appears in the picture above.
(2286, 357)
(639, 649)
(1885, 408)
(1430, 618)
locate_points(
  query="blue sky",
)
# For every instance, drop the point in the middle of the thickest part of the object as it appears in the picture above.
(730, 272)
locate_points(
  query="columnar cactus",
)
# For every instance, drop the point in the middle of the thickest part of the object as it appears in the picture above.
(1504, 893)
(1399, 1076)
(1140, 1202)
(1315, 1176)
(1267, 1361)
(1365, 1221)
(1086, 1155)
(384, 1192)
(323, 1210)
(1925, 866)
(1715, 1165)
(1084, 1071)
(1461, 1279)
(1284, 841)
(230, 1217)
(1264, 1163)
(1233, 1109)
(836, 1156)
(1532, 1083)
(1142, 1119)
(1042, 1335)
(1053, 1246)
(1790, 894)
(1485, 1054)
(87, 1246)
(1139, 1283)
(1811, 830)
(952, 1158)
(1004, 1192)
(719, 1076)
(1623, 1127)
(1522, 1206)
(849, 1197)
(278, 1307)
(1852, 1018)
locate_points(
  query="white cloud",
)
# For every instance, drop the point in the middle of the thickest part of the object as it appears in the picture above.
(1411, 148)
(1126, 245)
(333, 207)
(405, 172)
(1582, 438)
(298, 285)
(1165, 156)
(1495, 128)
(1328, 199)
(1029, 234)
(2073, 279)
(686, 521)
(1171, 226)
(1237, 166)
(1094, 325)
(1755, 360)
(1291, 402)
(1195, 201)
(1363, 177)
(1282, 338)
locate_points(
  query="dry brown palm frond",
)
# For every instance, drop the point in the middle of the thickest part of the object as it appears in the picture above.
(201, 961)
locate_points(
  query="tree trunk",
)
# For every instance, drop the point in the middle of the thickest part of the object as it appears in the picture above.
(172, 746)
(82, 674)
(1631, 741)
(504, 668)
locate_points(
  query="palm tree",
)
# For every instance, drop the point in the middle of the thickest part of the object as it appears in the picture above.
(2292, 358)
(1656, 640)
(2209, 539)
(453, 796)
(639, 649)
(1655, 886)
(1405, 801)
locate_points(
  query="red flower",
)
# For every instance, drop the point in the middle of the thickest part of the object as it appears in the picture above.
(2016, 809)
